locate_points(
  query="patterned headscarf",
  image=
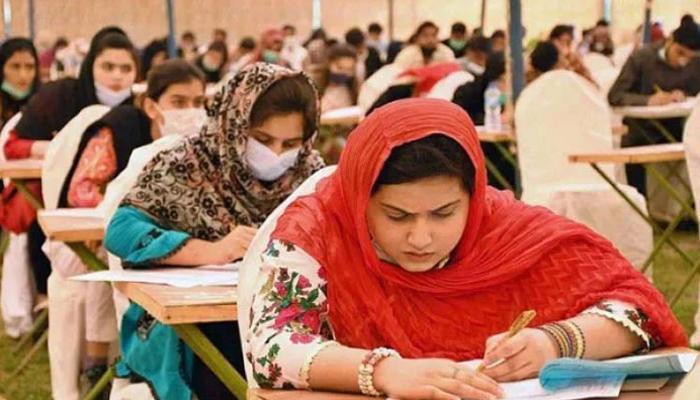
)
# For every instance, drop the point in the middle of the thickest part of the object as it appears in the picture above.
(204, 186)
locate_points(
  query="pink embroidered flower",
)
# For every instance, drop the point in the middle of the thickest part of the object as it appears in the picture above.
(312, 319)
(303, 282)
(322, 274)
(287, 315)
(302, 338)
(281, 289)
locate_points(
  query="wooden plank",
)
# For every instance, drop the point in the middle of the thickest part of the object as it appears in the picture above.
(171, 305)
(504, 135)
(620, 130)
(21, 169)
(71, 228)
(634, 155)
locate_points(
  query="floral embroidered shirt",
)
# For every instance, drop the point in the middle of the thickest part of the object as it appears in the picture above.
(96, 168)
(289, 318)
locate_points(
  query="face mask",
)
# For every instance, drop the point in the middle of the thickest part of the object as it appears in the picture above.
(209, 67)
(427, 51)
(265, 164)
(109, 97)
(475, 68)
(270, 56)
(17, 94)
(341, 79)
(457, 44)
(182, 122)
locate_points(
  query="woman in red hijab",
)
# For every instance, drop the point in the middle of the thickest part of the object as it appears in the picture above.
(406, 252)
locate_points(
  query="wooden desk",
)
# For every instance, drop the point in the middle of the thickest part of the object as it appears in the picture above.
(503, 135)
(171, 305)
(81, 227)
(620, 130)
(673, 110)
(21, 169)
(634, 155)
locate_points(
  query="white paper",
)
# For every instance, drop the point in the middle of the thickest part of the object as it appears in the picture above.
(73, 213)
(530, 389)
(672, 110)
(219, 275)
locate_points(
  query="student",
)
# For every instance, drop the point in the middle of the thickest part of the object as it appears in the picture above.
(426, 50)
(368, 58)
(457, 40)
(498, 41)
(546, 57)
(153, 55)
(470, 97)
(601, 39)
(106, 77)
(293, 52)
(19, 73)
(213, 61)
(341, 84)
(657, 74)
(20, 77)
(271, 44)
(188, 47)
(200, 203)
(374, 39)
(405, 252)
(478, 49)
(562, 37)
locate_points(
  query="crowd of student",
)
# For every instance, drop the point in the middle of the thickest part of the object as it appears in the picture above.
(404, 246)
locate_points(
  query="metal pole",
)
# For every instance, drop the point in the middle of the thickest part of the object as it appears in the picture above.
(7, 17)
(391, 20)
(515, 35)
(316, 15)
(607, 10)
(483, 17)
(32, 29)
(647, 22)
(172, 46)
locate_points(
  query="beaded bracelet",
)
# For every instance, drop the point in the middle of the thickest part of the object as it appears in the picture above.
(568, 337)
(365, 377)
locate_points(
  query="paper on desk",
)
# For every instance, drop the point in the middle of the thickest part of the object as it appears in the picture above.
(530, 389)
(177, 277)
(74, 212)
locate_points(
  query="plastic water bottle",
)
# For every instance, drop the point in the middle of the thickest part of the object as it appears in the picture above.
(492, 108)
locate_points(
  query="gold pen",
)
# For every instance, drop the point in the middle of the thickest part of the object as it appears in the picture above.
(518, 325)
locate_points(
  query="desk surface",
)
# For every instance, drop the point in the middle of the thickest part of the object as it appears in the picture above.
(634, 155)
(171, 305)
(79, 227)
(503, 135)
(21, 169)
(674, 110)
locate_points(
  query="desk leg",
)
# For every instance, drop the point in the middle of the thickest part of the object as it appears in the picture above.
(206, 351)
(21, 185)
(88, 258)
(663, 182)
(641, 213)
(100, 386)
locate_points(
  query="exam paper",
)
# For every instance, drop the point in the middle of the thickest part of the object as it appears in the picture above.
(219, 275)
(530, 389)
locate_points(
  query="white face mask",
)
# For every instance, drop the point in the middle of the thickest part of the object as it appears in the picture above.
(109, 97)
(182, 121)
(475, 68)
(265, 164)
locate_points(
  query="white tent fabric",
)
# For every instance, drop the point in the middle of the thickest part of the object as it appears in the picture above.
(251, 262)
(446, 87)
(691, 140)
(558, 115)
(17, 286)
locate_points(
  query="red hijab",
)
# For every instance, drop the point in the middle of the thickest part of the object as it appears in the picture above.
(511, 257)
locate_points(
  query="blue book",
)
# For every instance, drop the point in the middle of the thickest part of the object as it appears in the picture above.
(568, 372)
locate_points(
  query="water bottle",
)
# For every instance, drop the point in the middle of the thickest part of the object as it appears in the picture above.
(492, 108)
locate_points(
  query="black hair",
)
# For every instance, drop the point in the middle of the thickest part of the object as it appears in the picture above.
(60, 42)
(334, 53)
(459, 28)
(375, 28)
(220, 47)
(602, 22)
(247, 43)
(544, 57)
(498, 34)
(688, 35)
(150, 52)
(479, 44)
(687, 19)
(425, 25)
(188, 35)
(114, 40)
(561, 30)
(434, 155)
(171, 73)
(14, 45)
(355, 37)
(288, 95)
(315, 35)
(495, 67)
(289, 27)
(341, 51)
(221, 31)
